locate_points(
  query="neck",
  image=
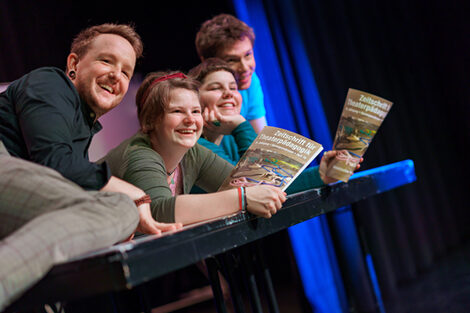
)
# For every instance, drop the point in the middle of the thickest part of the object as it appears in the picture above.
(171, 157)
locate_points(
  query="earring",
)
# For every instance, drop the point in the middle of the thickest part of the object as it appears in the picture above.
(72, 74)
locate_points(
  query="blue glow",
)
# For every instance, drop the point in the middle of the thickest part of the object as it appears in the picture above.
(398, 174)
(293, 102)
(375, 282)
(295, 105)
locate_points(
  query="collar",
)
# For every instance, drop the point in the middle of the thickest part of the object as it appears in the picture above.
(90, 116)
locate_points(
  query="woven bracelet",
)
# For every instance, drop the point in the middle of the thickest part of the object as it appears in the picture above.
(142, 200)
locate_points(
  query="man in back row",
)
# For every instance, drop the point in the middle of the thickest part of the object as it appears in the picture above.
(227, 38)
(49, 117)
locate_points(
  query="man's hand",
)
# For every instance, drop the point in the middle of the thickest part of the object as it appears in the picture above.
(148, 225)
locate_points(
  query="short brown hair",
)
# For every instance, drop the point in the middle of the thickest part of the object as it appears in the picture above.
(221, 31)
(151, 103)
(82, 41)
(209, 66)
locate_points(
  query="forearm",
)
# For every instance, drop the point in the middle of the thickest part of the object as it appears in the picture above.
(118, 185)
(244, 136)
(258, 124)
(194, 208)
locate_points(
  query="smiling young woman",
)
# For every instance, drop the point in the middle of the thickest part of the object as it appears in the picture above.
(221, 102)
(165, 160)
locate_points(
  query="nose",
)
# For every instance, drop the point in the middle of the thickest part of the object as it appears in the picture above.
(189, 119)
(244, 65)
(115, 75)
(228, 93)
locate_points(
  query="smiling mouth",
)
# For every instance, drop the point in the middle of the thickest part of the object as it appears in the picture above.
(227, 105)
(107, 88)
(186, 131)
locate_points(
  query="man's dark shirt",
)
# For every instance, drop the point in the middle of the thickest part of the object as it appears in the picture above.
(43, 119)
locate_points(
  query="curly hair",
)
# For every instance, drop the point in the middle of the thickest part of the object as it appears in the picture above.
(221, 31)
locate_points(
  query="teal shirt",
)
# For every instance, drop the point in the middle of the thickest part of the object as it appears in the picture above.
(253, 100)
(233, 146)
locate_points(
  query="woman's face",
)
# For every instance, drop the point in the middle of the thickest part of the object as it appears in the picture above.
(181, 123)
(219, 92)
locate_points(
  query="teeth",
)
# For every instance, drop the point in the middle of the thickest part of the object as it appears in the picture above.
(227, 105)
(186, 131)
(108, 88)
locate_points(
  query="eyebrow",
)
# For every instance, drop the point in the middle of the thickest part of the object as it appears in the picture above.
(183, 107)
(234, 55)
(220, 83)
(114, 56)
(213, 83)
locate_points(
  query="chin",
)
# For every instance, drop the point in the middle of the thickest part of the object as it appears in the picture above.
(228, 111)
(244, 85)
(188, 143)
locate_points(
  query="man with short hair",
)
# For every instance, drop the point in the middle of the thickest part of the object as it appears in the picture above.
(49, 117)
(226, 37)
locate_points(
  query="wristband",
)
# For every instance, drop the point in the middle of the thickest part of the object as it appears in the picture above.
(240, 198)
(142, 200)
(245, 203)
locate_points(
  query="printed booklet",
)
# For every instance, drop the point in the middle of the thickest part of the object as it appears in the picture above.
(362, 115)
(276, 157)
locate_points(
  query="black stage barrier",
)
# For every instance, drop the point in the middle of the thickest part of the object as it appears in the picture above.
(127, 265)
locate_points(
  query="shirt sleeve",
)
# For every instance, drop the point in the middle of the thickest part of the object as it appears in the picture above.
(211, 169)
(244, 136)
(253, 100)
(146, 170)
(216, 149)
(47, 108)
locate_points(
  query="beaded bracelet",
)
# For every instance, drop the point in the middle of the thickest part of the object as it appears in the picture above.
(142, 200)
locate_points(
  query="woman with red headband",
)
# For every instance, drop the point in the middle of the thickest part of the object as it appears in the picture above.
(164, 159)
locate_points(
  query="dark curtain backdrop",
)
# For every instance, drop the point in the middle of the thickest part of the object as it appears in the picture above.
(39, 33)
(416, 54)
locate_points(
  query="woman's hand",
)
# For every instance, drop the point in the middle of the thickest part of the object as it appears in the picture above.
(325, 162)
(219, 124)
(264, 200)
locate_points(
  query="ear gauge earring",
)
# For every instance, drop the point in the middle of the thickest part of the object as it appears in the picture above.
(72, 75)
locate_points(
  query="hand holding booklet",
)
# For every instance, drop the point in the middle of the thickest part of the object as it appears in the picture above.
(362, 115)
(276, 157)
